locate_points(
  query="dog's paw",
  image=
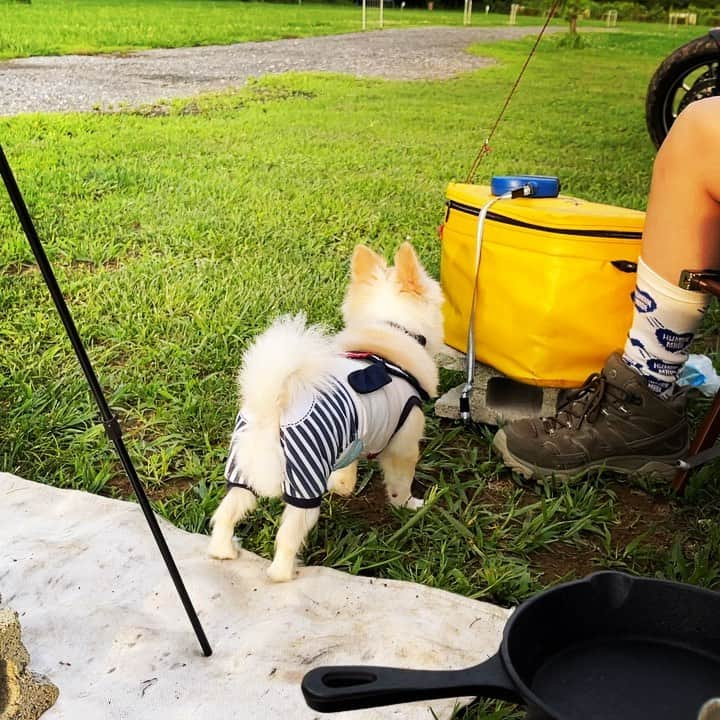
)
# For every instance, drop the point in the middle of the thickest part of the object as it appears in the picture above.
(414, 503)
(342, 482)
(222, 549)
(280, 572)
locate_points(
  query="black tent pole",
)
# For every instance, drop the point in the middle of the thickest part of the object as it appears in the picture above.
(112, 427)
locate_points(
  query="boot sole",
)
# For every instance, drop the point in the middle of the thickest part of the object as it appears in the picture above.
(664, 468)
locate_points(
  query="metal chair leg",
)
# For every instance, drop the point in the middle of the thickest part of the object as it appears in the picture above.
(707, 281)
(705, 438)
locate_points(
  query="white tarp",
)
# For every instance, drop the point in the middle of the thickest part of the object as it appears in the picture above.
(102, 620)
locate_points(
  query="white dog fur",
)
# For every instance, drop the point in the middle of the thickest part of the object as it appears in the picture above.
(386, 311)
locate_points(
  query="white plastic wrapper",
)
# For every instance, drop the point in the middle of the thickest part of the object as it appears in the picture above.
(699, 372)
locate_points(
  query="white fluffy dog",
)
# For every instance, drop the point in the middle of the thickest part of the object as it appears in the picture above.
(312, 403)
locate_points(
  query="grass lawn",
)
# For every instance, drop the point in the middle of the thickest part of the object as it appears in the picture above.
(178, 232)
(59, 27)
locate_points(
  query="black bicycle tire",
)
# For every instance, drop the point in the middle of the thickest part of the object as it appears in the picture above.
(676, 65)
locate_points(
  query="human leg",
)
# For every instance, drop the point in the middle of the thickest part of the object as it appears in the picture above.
(629, 417)
(682, 226)
(682, 231)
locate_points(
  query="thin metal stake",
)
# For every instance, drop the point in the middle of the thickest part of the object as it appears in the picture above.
(112, 427)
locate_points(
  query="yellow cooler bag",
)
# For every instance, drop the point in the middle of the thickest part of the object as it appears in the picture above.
(553, 287)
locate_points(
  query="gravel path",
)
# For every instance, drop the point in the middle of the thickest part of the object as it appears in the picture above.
(82, 82)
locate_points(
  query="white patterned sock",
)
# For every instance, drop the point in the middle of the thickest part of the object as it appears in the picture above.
(665, 321)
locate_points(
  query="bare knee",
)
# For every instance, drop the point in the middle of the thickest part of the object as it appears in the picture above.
(694, 138)
(699, 120)
(704, 117)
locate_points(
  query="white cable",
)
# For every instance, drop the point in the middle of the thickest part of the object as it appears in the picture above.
(525, 191)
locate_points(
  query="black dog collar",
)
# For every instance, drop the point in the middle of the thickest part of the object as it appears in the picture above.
(421, 339)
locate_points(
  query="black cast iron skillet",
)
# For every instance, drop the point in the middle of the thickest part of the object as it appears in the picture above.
(608, 647)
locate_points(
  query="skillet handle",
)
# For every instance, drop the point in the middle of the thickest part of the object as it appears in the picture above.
(352, 687)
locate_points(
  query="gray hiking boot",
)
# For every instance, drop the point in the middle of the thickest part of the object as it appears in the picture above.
(613, 421)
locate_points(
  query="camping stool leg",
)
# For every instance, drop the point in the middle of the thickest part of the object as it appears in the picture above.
(112, 427)
(707, 281)
(705, 438)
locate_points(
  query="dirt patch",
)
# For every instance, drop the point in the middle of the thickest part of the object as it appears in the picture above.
(152, 110)
(644, 525)
(120, 487)
(641, 528)
(371, 504)
(563, 561)
(644, 515)
(20, 268)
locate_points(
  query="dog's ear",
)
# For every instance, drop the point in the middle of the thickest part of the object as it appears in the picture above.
(365, 263)
(410, 273)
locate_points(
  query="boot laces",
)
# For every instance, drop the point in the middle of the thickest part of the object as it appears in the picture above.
(587, 402)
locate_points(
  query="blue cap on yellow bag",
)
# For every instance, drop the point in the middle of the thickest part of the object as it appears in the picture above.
(541, 186)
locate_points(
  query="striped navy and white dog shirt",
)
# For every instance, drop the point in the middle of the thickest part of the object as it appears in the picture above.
(365, 404)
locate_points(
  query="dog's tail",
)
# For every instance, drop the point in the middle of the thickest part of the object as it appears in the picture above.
(288, 359)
